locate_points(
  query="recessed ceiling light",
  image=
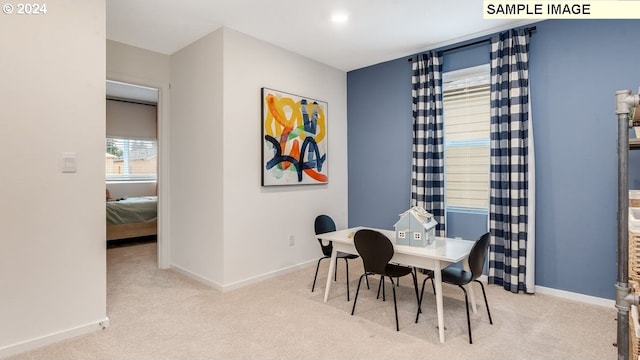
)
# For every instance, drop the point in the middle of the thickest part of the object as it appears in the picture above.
(339, 17)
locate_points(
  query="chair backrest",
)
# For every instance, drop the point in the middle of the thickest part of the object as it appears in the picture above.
(478, 255)
(325, 224)
(375, 249)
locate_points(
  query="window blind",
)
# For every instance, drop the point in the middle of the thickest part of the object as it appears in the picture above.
(466, 95)
(131, 120)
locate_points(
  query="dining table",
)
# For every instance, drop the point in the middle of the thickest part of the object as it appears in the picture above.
(441, 253)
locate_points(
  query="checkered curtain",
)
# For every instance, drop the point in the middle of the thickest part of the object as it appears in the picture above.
(427, 165)
(510, 134)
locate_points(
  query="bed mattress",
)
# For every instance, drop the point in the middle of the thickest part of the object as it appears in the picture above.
(132, 210)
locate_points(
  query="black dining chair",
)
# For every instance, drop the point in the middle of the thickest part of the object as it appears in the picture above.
(324, 224)
(457, 276)
(376, 250)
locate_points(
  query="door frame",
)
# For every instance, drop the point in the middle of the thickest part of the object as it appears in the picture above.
(164, 179)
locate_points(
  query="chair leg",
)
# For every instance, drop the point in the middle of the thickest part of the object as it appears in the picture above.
(357, 291)
(316, 275)
(366, 277)
(346, 264)
(384, 297)
(421, 296)
(381, 285)
(335, 273)
(415, 287)
(466, 302)
(395, 306)
(484, 294)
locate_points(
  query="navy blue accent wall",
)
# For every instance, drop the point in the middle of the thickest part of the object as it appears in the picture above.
(575, 67)
(379, 143)
(466, 57)
(465, 225)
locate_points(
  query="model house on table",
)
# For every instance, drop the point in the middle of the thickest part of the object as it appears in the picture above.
(416, 227)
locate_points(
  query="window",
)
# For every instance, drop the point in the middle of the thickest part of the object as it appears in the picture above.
(131, 160)
(466, 105)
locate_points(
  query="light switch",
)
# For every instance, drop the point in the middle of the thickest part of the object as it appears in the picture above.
(68, 163)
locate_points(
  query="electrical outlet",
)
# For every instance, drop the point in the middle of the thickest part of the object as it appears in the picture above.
(292, 240)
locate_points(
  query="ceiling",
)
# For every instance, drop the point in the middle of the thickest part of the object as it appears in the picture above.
(376, 30)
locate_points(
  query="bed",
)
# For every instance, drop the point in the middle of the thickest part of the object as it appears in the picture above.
(132, 217)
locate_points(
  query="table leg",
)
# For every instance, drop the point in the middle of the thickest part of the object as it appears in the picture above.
(469, 288)
(438, 283)
(332, 270)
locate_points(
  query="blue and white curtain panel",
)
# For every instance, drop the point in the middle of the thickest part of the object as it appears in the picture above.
(427, 165)
(509, 202)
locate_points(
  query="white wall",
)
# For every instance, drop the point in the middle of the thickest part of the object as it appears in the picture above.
(258, 220)
(133, 63)
(52, 252)
(196, 159)
(226, 228)
(131, 189)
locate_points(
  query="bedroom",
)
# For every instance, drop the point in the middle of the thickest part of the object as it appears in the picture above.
(219, 199)
(131, 163)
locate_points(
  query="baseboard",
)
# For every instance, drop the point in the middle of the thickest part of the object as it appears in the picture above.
(587, 299)
(32, 344)
(259, 278)
(241, 283)
(196, 277)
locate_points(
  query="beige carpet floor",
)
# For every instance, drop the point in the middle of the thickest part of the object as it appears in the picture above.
(160, 314)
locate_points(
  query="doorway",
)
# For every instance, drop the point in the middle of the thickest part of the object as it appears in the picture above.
(126, 94)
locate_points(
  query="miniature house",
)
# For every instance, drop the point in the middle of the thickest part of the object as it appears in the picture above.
(416, 227)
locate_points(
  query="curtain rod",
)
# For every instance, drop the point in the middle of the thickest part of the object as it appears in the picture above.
(527, 31)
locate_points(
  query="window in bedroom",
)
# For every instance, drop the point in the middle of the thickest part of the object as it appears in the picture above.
(131, 160)
(466, 104)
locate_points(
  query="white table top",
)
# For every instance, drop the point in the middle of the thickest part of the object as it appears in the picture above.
(446, 249)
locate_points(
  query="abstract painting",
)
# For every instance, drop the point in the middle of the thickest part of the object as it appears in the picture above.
(294, 139)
